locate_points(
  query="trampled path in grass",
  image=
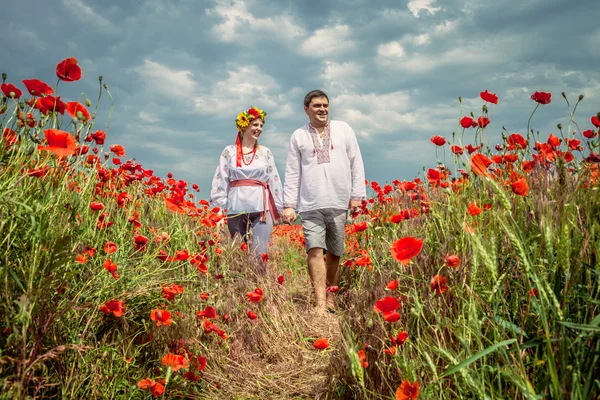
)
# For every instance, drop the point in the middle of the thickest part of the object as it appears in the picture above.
(273, 356)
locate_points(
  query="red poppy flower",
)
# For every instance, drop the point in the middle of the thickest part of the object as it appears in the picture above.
(81, 259)
(452, 260)
(99, 137)
(10, 137)
(360, 227)
(60, 143)
(244, 246)
(516, 140)
(204, 296)
(553, 141)
(520, 187)
(110, 247)
(208, 312)
(482, 122)
(433, 175)
(116, 307)
(111, 267)
(479, 164)
(542, 97)
(362, 357)
(35, 87)
(471, 149)
(402, 337)
(10, 91)
(406, 248)
(255, 296)
(467, 122)
(390, 351)
(175, 361)
(321, 344)
(161, 317)
(332, 289)
(96, 206)
(534, 292)
(118, 150)
(489, 97)
(169, 292)
(387, 304)
(408, 391)
(78, 110)
(140, 242)
(438, 283)
(68, 70)
(156, 388)
(438, 140)
(595, 121)
(590, 134)
(251, 315)
(392, 285)
(457, 150)
(280, 279)
(391, 316)
(50, 103)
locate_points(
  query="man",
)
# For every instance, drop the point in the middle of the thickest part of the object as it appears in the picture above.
(324, 177)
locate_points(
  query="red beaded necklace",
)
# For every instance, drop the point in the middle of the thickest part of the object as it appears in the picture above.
(253, 152)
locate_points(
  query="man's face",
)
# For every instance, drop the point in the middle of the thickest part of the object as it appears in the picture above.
(318, 111)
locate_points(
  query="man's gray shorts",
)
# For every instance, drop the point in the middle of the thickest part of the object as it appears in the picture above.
(325, 229)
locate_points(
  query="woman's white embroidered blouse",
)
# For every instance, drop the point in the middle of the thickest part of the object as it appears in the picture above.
(245, 199)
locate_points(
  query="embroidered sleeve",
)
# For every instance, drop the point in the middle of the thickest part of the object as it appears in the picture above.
(275, 182)
(220, 183)
(359, 190)
(292, 175)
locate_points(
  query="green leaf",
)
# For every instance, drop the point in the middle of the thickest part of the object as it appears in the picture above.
(476, 357)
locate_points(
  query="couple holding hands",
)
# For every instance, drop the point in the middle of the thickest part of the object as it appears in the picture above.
(324, 178)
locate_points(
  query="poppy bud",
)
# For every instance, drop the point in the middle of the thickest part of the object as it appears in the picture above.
(88, 102)
(3, 77)
(459, 99)
(30, 150)
(21, 105)
(564, 95)
(106, 156)
(100, 78)
(93, 116)
(484, 108)
(559, 126)
(580, 97)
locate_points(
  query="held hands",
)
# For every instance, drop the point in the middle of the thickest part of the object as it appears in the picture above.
(288, 215)
(354, 206)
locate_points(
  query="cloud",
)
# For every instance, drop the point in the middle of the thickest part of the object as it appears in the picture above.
(167, 81)
(417, 6)
(237, 22)
(326, 42)
(147, 117)
(340, 77)
(87, 14)
(242, 86)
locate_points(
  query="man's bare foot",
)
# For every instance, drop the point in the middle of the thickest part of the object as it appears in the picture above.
(330, 303)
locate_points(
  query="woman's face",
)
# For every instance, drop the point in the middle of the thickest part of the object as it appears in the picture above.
(253, 130)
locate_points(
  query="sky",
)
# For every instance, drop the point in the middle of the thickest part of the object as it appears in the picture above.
(180, 71)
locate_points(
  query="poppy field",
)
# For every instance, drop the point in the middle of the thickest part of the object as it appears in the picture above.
(479, 279)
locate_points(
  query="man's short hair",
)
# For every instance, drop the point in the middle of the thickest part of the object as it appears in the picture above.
(312, 94)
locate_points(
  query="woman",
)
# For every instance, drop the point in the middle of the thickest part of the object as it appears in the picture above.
(247, 184)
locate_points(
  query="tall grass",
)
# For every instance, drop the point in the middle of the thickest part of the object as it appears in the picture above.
(519, 318)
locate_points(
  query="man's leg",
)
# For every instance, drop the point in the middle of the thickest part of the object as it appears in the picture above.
(318, 275)
(336, 225)
(313, 224)
(333, 276)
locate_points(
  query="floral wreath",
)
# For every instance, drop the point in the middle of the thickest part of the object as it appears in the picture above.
(244, 118)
